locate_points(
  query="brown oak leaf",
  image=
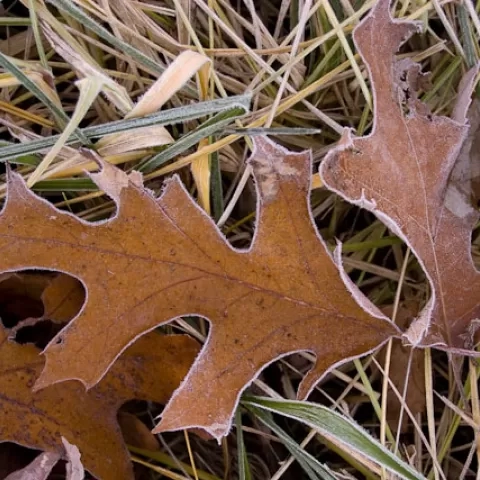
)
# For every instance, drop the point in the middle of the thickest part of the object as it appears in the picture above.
(401, 173)
(150, 369)
(160, 258)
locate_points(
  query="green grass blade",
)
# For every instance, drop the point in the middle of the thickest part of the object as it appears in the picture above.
(345, 431)
(216, 185)
(31, 160)
(174, 115)
(66, 185)
(15, 22)
(243, 465)
(312, 467)
(273, 131)
(211, 126)
(167, 117)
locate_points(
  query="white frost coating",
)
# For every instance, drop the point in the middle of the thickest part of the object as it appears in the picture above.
(365, 203)
(346, 140)
(219, 430)
(464, 98)
(418, 329)
(455, 202)
(215, 429)
(267, 170)
(16, 179)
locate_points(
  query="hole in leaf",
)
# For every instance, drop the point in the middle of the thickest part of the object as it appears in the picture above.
(35, 298)
(20, 296)
(39, 334)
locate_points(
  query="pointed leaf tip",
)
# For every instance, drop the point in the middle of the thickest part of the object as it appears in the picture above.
(215, 431)
(112, 180)
(171, 186)
(17, 190)
(273, 164)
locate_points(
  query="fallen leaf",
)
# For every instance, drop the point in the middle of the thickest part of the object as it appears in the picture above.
(151, 369)
(136, 433)
(161, 258)
(401, 173)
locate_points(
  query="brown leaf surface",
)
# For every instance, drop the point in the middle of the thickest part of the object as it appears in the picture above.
(62, 299)
(160, 258)
(150, 369)
(401, 173)
(136, 433)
